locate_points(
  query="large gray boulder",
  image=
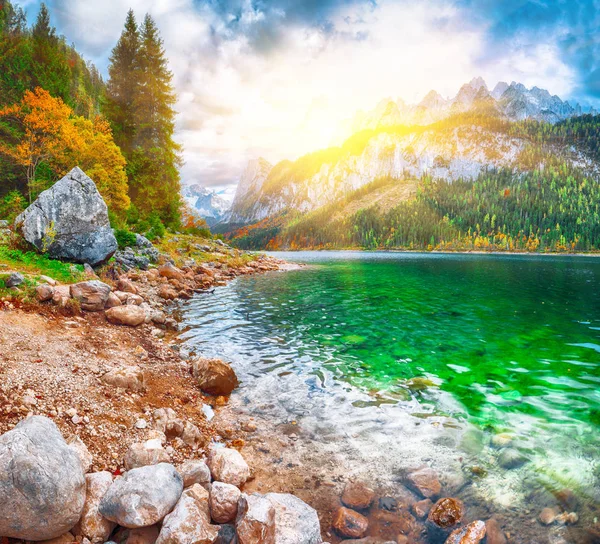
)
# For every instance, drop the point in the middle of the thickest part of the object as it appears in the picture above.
(42, 484)
(295, 521)
(69, 221)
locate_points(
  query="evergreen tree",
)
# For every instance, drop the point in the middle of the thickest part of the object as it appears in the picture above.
(140, 109)
(123, 85)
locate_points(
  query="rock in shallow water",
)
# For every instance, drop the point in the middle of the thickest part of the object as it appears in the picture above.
(143, 496)
(214, 376)
(358, 496)
(471, 534)
(70, 221)
(350, 523)
(42, 485)
(425, 481)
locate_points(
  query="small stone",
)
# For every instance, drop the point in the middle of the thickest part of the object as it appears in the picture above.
(358, 496)
(227, 465)
(14, 280)
(92, 295)
(126, 286)
(127, 377)
(44, 292)
(112, 301)
(494, 534)
(425, 481)
(422, 508)
(143, 496)
(141, 424)
(501, 440)
(189, 522)
(350, 523)
(82, 452)
(214, 376)
(223, 502)
(547, 516)
(445, 515)
(194, 471)
(471, 534)
(142, 454)
(511, 458)
(256, 520)
(67, 538)
(565, 518)
(92, 524)
(134, 300)
(128, 315)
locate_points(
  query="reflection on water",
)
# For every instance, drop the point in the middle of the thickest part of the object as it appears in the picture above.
(440, 352)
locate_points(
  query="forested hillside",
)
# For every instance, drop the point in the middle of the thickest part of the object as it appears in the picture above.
(57, 112)
(536, 188)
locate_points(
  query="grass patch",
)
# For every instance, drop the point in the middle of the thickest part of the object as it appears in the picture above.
(35, 263)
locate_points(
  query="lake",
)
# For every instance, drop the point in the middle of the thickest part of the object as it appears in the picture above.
(427, 356)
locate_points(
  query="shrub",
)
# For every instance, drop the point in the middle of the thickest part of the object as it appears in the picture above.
(125, 238)
(12, 205)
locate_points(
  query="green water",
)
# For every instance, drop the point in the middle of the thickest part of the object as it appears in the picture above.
(506, 343)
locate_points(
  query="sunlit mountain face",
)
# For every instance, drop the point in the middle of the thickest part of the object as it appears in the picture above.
(280, 79)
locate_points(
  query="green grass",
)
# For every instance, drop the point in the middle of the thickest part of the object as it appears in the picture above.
(34, 263)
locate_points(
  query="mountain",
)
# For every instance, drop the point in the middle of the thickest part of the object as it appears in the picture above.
(206, 203)
(512, 145)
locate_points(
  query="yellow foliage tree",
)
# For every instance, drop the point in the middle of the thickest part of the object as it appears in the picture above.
(49, 132)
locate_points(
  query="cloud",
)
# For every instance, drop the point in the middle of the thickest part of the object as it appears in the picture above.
(275, 78)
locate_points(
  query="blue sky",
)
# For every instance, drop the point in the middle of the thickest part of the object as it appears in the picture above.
(274, 78)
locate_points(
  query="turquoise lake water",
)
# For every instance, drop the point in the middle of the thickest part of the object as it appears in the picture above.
(501, 344)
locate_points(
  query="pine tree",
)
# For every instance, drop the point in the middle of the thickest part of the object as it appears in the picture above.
(123, 85)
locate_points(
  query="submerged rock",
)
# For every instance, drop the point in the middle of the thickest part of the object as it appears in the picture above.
(445, 516)
(471, 534)
(349, 523)
(70, 221)
(425, 481)
(143, 496)
(494, 534)
(511, 458)
(358, 496)
(42, 484)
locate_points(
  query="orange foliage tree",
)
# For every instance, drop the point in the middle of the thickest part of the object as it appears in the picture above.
(47, 131)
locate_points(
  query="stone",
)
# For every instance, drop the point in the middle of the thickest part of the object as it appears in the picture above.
(214, 376)
(511, 458)
(126, 377)
(126, 286)
(192, 436)
(167, 292)
(358, 496)
(143, 496)
(44, 292)
(170, 271)
(567, 518)
(425, 481)
(422, 508)
(227, 535)
(67, 538)
(167, 422)
(194, 471)
(42, 484)
(189, 522)
(92, 524)
(91, 295)
(501, 440)
(142, 454)
(255, 520)
(70, 221)
(143, 535)
(134, 300)
(227, 465)
(62, 294)
(295, 521)
(128, 315)
(112, 301)
(445, 516)
(350, 523)
(85, 457)
(223, 502)
(14, 280)
(471, 534)
(494, 534)
(547, 516)
(122, 296)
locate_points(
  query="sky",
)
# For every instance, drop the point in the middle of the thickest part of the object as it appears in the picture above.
(276, 79)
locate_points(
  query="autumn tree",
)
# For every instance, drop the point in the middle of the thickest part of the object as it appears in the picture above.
(44, 130)
(40, 127)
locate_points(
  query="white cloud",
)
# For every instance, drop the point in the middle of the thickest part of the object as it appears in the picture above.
(236, 103)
